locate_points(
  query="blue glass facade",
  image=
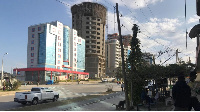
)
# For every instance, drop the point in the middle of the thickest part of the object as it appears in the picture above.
(47, 45)
(65, 46)
(81, 56)
(42, 48)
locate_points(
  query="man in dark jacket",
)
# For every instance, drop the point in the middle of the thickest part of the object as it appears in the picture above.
(181, 94)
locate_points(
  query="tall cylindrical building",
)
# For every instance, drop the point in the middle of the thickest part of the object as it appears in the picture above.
(89, 19)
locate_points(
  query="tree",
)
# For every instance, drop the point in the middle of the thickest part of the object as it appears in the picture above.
(135, 65)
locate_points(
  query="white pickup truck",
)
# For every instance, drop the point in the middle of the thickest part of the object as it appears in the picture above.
(35, 95)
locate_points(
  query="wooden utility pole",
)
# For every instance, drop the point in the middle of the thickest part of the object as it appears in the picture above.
(123, 63)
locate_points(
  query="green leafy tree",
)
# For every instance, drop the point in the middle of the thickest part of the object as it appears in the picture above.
(135, 65)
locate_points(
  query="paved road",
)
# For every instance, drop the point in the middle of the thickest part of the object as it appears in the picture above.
(65, 92)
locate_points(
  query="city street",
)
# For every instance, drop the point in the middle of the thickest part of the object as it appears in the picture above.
(65, 92)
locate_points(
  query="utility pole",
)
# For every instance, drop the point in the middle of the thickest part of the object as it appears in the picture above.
(123, 63)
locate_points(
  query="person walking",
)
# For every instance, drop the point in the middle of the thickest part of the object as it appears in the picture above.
(181, 94)
(122, 86)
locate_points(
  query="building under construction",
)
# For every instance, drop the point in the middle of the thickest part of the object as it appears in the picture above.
(89, 19)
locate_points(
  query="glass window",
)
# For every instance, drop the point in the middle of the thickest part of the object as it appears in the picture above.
(87, 27)
(59, 38)
(98, 42)
(32, 60)
(33, 29)
(98, 28)
(33, 35)
(59, 56)
(87, 32)
(32, 42)
(98, 33)
(32, 48)
(98, 37)
(58, 61)
(39, 28)
(32, 54)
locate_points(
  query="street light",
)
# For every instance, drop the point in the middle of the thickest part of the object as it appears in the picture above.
(2, 71)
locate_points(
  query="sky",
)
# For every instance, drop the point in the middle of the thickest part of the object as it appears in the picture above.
(162, 25)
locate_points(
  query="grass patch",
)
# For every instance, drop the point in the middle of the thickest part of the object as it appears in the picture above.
(58, 103)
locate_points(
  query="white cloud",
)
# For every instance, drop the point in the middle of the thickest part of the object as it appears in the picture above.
(166, 31)
(135, 4)
(193, 19)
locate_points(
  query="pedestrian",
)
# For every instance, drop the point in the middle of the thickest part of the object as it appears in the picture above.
(143, 96)
(181, 94)
(194, 89)
(157, 96)
(122, 86)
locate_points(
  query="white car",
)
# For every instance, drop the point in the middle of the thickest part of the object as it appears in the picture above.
(35, 95)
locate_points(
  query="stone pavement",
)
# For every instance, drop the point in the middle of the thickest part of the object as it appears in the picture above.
(105, 103)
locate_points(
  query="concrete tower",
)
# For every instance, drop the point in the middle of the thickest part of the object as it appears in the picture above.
(89, 20)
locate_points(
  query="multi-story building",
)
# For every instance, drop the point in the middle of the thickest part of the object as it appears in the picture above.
(148, 58)
(126, 39)
(89, 20)
(113, 56)
(52, 54)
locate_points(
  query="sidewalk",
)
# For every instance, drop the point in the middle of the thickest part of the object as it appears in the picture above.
(105, 103)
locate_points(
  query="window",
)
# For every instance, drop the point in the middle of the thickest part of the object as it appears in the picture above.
(32, 54)
(88, 18)
(59, 50)
(58, 61)
(98, 28)
(98, 37)
(87, 36)
(59, 31)
(32, 60)
(74, 43)
(98, 24)
(59, 44)
(93, 18)
(33, 35)
(98, 42)
(98, 19)
(87, 22)
(32, 48)
(59, 56)
(74, 49)
(98, 33)
(58, 67)
(93, 32)
(87, 27)
(59, 38)
(32, 42)
(87, 46)
(33, 29)
(87, 32)
(74, 54)
(74, 38)
(39, 28)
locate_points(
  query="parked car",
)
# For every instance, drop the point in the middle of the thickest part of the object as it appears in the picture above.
(104, 80)
(49, 82)
(35, 95)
